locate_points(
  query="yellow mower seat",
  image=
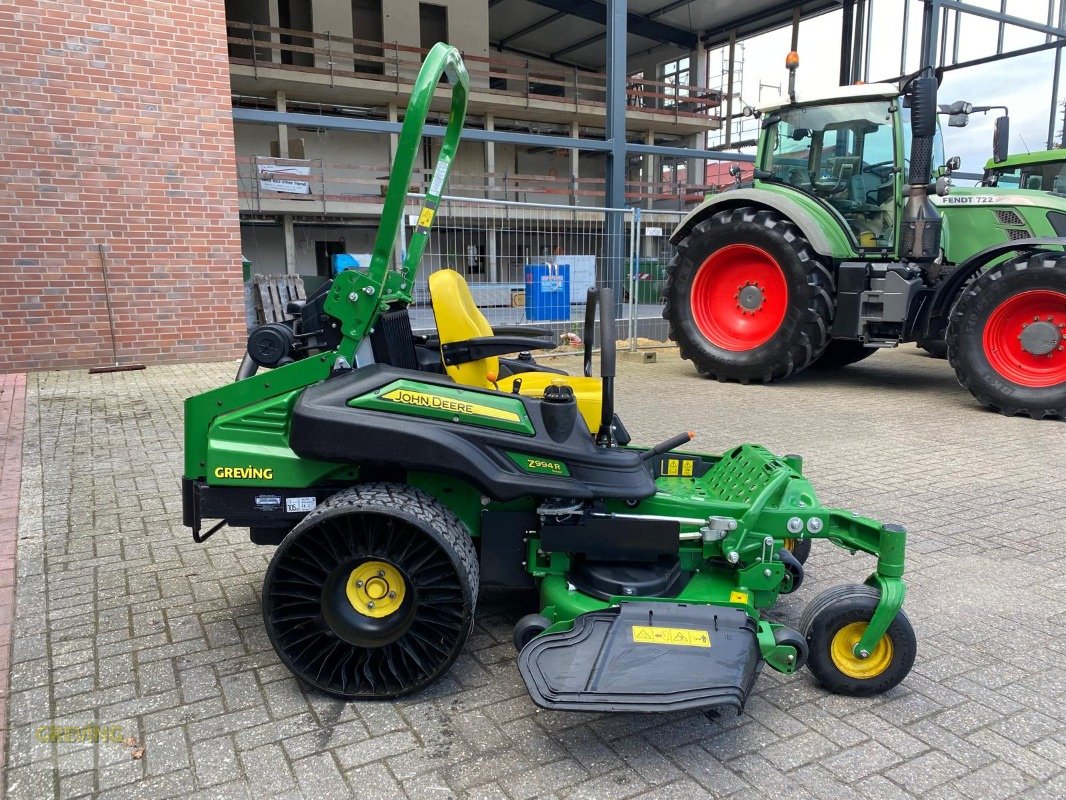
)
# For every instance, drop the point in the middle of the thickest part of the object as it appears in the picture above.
(459, 319)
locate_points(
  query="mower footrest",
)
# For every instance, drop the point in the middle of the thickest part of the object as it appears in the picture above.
(645, 657)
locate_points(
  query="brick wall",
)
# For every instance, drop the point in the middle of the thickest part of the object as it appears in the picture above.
(115, 129)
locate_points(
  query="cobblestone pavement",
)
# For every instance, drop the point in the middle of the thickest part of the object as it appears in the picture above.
(122, 621)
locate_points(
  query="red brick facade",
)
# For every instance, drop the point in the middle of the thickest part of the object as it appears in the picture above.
(115, 130)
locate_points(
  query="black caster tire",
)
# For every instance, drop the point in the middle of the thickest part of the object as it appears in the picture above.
(794, 569)
(372, 595)
(1007, 337)
(799, 548)
(794, 638)
(833, 623)
(747, 299)
(529, 628)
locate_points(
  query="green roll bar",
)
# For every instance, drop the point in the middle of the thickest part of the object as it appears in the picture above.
(357, 297)
(352, 297)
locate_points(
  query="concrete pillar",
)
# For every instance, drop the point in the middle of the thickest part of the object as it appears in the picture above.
(490, 254)
(283, 130)
(274, 17)
(649, 168)
(290, 244)
(490, 157)
(575, 164)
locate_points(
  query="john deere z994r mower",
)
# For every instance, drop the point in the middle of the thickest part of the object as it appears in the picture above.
(843, 245)
(396, 474)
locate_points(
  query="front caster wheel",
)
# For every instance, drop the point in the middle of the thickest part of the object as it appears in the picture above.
(529, 628)
(799, 548)
(371, 596)
(794, 569)
(834, 622)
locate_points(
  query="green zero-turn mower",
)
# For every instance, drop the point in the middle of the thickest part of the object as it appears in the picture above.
(842, 246)
(393, 492)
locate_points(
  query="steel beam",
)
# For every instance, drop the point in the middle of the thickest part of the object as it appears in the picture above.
(360, 125)
(615, 193)
(536, 26)
(658, 12)
(997, 16)
(638, 25)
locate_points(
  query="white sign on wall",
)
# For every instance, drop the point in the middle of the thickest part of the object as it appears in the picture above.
(653, 231)
(284, 178)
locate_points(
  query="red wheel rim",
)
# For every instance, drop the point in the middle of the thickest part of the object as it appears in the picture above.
(1025, 338)
(739, 297)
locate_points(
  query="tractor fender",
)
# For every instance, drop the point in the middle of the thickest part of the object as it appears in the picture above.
(951, 287)
(795, 211)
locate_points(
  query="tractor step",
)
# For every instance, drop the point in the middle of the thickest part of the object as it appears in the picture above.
(645, 657)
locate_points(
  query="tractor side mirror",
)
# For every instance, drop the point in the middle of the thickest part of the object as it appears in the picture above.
(1001, 139)
(953, 164)
(958, 120)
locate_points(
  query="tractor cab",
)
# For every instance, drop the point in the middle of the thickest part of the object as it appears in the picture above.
(848, 152)
(844, 152)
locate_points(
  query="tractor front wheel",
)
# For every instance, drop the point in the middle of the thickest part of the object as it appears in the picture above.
(833, 624)
(1007, 337)
(746, 297)
(372, 594)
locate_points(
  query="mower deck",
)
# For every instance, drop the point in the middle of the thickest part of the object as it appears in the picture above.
(645, 657)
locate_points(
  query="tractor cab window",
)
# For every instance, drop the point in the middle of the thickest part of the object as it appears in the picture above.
(843, 153)
(1044, 177)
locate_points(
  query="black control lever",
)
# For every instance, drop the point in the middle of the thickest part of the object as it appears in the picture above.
(668, 445)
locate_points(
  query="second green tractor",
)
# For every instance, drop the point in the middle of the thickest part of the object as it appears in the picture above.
(850, 239)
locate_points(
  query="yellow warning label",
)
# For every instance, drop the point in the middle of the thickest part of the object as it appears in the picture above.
(686, 637)
(409, 398)
(425, 218)
(738, 597)
(674, 467)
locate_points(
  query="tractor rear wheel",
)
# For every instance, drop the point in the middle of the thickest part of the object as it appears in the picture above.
(746, 297)
(372, 594)
(841, 353)
(1007, 337)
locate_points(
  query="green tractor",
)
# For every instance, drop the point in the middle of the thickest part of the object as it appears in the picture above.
(1042, 171)
(396, 474)
(844, 244)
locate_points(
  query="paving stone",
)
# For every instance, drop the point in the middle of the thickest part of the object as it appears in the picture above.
(121, 620)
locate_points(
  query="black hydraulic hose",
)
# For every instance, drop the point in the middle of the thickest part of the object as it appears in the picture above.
(247, 369)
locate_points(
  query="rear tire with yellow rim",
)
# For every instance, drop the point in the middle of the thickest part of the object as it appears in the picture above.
(833, 624)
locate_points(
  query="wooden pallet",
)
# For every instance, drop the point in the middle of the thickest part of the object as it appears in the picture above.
(272, 295)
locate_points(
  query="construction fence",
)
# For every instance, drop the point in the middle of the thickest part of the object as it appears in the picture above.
(527, 263)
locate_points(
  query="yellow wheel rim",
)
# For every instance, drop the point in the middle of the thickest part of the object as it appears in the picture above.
(790, 545)
(842, 651)
(375, 589)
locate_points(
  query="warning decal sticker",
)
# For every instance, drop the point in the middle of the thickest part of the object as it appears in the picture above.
(685, 637)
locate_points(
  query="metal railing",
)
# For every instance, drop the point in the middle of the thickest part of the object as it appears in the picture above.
(323, 184)
(312, 52)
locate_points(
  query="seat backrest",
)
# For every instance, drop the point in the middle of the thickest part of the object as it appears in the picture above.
(458, 319)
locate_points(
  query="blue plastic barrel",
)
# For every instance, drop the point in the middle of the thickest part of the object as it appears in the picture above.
(547, 292)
